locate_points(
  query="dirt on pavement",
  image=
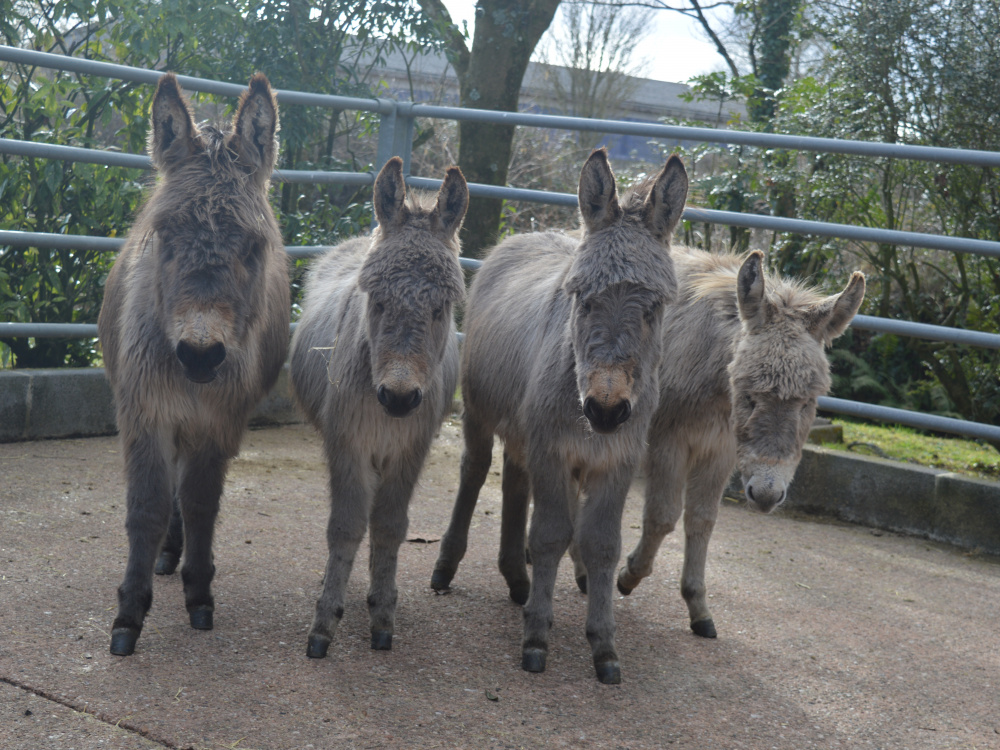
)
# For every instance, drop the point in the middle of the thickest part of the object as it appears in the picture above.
(830, 636)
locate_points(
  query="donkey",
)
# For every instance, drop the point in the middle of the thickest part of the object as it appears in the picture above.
(742, 368)
(194, 330)
(561, 359)
(374, 365)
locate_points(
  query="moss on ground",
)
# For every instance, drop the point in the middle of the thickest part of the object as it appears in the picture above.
(905, 444)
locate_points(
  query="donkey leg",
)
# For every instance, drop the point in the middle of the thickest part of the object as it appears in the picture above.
(704, 494)
(598, 537)
(579, 569)
(173, 545)
(513, 525)
(550, 535)
(664, 501)
(148, 504)
(475, 466)
(387, 530)
(351, 493)
(202, 476)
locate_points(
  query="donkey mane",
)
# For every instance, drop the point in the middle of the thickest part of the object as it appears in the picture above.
(617, 258)
(633, 197)
(390, 265)
(713, 277)
(212, 183)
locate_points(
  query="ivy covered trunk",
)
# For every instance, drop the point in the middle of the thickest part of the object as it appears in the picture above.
(490, 76)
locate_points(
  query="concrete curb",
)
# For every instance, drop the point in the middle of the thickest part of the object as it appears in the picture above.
(77, 402)
(937, 505)
(894, 496)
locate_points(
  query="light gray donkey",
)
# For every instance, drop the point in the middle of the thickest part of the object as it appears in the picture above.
(194, 330)
(742, 368)
(374, 365)
(561, 359)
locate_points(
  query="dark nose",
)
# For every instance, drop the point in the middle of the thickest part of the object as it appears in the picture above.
(200, 364)
(399, 404)
(606, 420)
(765, 501)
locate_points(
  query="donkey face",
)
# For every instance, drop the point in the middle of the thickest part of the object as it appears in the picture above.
(211, 223)
(619, 283)
(412, 279)
(779, 371)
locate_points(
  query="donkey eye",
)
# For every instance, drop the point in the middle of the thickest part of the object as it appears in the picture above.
(438, 313)
(585, 308)
(750, 403)
(379, 308)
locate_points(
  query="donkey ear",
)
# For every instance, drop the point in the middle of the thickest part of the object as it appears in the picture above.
(452, 201)
(665, 203)
(598, 194)
(255, 126)
(171, 139)
(830, 318)
(389, 194)
(750, 290)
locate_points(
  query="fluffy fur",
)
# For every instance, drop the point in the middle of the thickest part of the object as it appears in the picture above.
(374, 364)
(194, 330)
(743, 366)
(561, 360)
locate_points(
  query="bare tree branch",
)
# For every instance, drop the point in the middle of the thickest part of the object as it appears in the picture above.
(719, 46)
(455, 40)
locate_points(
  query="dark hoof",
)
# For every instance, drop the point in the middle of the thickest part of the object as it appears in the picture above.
(201, 618)
(533, 660)
(519, 593)
(704, 628)
(166, 564)
(581, 583)
(381, 640)
(123, 641)
(622, 589)
(609, 672)
(441, 580)
(318, 646)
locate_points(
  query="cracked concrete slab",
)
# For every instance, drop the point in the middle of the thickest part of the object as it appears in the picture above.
(830, 635)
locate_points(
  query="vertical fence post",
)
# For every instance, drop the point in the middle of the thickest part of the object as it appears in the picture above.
(386, 135)
(403, 145)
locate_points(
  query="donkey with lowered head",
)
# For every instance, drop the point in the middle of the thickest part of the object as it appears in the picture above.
(194, 330)
(561, 360)
(743, 366)
(374, 364)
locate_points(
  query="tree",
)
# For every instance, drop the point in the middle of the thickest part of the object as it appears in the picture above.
(595, 45)
(489, 77)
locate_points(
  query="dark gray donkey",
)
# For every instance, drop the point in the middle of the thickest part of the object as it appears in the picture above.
(374, 366)
(194, 330)
(743, 366)
(561, 359)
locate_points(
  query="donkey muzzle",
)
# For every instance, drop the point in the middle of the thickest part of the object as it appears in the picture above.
(606, 419)
(765, 493)
(399, 403)
(201, 364)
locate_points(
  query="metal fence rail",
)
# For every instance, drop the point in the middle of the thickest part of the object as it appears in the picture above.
(395, 138)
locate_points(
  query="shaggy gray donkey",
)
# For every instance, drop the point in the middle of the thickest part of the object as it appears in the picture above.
(561, 360)
(742, 368)
(194, 330)
(374, 365)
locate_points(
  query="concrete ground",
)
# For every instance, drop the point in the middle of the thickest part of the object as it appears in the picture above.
(830, 636)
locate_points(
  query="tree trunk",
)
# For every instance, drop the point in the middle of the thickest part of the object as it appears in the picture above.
(490, 78)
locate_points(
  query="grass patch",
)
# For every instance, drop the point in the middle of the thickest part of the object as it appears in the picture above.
(905, 444)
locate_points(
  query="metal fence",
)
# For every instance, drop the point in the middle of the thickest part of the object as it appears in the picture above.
(395, 137)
